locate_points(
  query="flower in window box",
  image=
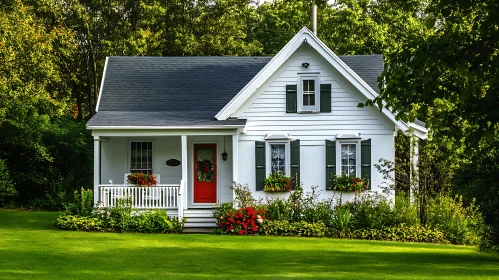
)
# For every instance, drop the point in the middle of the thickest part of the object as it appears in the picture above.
(141, 179)
(277, 182)
(348, 183)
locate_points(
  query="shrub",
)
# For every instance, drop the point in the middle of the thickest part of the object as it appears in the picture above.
(72, 222)
(53, 201)
(156, 221)
(277, 208)
(222, 210)
(402, 232)
(404, 212)
(300, 206)
(460, 225)
(119, 218)
(245, 221)
(82, 205)
(7, 190)
(287, 228)
(340, 222)
(371, 211)
(310, 207)
(243, 196)
(79, 215)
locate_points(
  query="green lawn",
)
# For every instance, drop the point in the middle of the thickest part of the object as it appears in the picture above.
(31, 248)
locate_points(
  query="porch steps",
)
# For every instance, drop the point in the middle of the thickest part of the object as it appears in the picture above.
(199, 221)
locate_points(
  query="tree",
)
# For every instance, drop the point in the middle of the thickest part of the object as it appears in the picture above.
(33, 102)
(448, 75)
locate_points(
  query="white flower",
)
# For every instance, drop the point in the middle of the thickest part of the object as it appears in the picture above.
(259, 219)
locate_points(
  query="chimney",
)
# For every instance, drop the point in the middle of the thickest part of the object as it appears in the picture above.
(314, 17)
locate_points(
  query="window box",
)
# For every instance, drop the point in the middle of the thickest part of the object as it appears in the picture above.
(141, 179)
(277, 182)
(347, 183)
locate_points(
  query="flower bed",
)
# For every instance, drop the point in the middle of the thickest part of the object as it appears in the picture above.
(245, 221)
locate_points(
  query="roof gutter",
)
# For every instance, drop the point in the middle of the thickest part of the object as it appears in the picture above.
(166, 127)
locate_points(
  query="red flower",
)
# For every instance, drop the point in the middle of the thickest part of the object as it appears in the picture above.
(242, 231)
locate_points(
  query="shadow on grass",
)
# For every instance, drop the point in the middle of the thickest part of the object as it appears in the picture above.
(245, 261)
(32, 220)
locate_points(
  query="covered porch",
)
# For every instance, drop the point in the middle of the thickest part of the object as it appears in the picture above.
(194, 168)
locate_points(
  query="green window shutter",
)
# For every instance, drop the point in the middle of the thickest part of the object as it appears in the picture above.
(365, 160)
(330, 163)
(295, 162)
(259, 164)
(291, 99)
(325, 98)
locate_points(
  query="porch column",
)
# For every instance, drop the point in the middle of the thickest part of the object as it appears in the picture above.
(184, 170)
(235, 161)
(96, 169)
(414, 176)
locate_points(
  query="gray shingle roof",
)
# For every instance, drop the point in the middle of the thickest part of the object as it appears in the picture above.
(187, 91)
(368, 67)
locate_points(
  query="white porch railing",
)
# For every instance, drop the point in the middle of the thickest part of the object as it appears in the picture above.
(143, 197)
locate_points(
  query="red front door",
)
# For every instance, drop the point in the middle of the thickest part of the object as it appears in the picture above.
(205, 173)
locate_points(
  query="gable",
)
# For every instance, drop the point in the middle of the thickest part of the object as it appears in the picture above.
(266, 112)
(304, 36)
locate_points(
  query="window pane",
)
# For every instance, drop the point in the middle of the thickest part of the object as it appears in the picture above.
(308, 85)
(278, 158)
(205, 167)
(352, 171)
(141, 157)
(344, 169)
(309, 100)
(308, 93)
(349, 159)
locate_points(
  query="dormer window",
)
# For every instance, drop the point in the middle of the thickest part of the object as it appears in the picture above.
(308, 93)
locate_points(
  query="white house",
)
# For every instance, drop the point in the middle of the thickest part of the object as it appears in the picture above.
(176, 116)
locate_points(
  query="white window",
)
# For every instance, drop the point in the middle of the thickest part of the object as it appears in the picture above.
(278, 157)
(141, 157)
(308, 93)
(349, 158)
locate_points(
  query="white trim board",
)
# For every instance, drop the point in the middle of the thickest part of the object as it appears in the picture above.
(101, 85)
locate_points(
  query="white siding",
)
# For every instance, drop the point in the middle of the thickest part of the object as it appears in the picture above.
(266, 113)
